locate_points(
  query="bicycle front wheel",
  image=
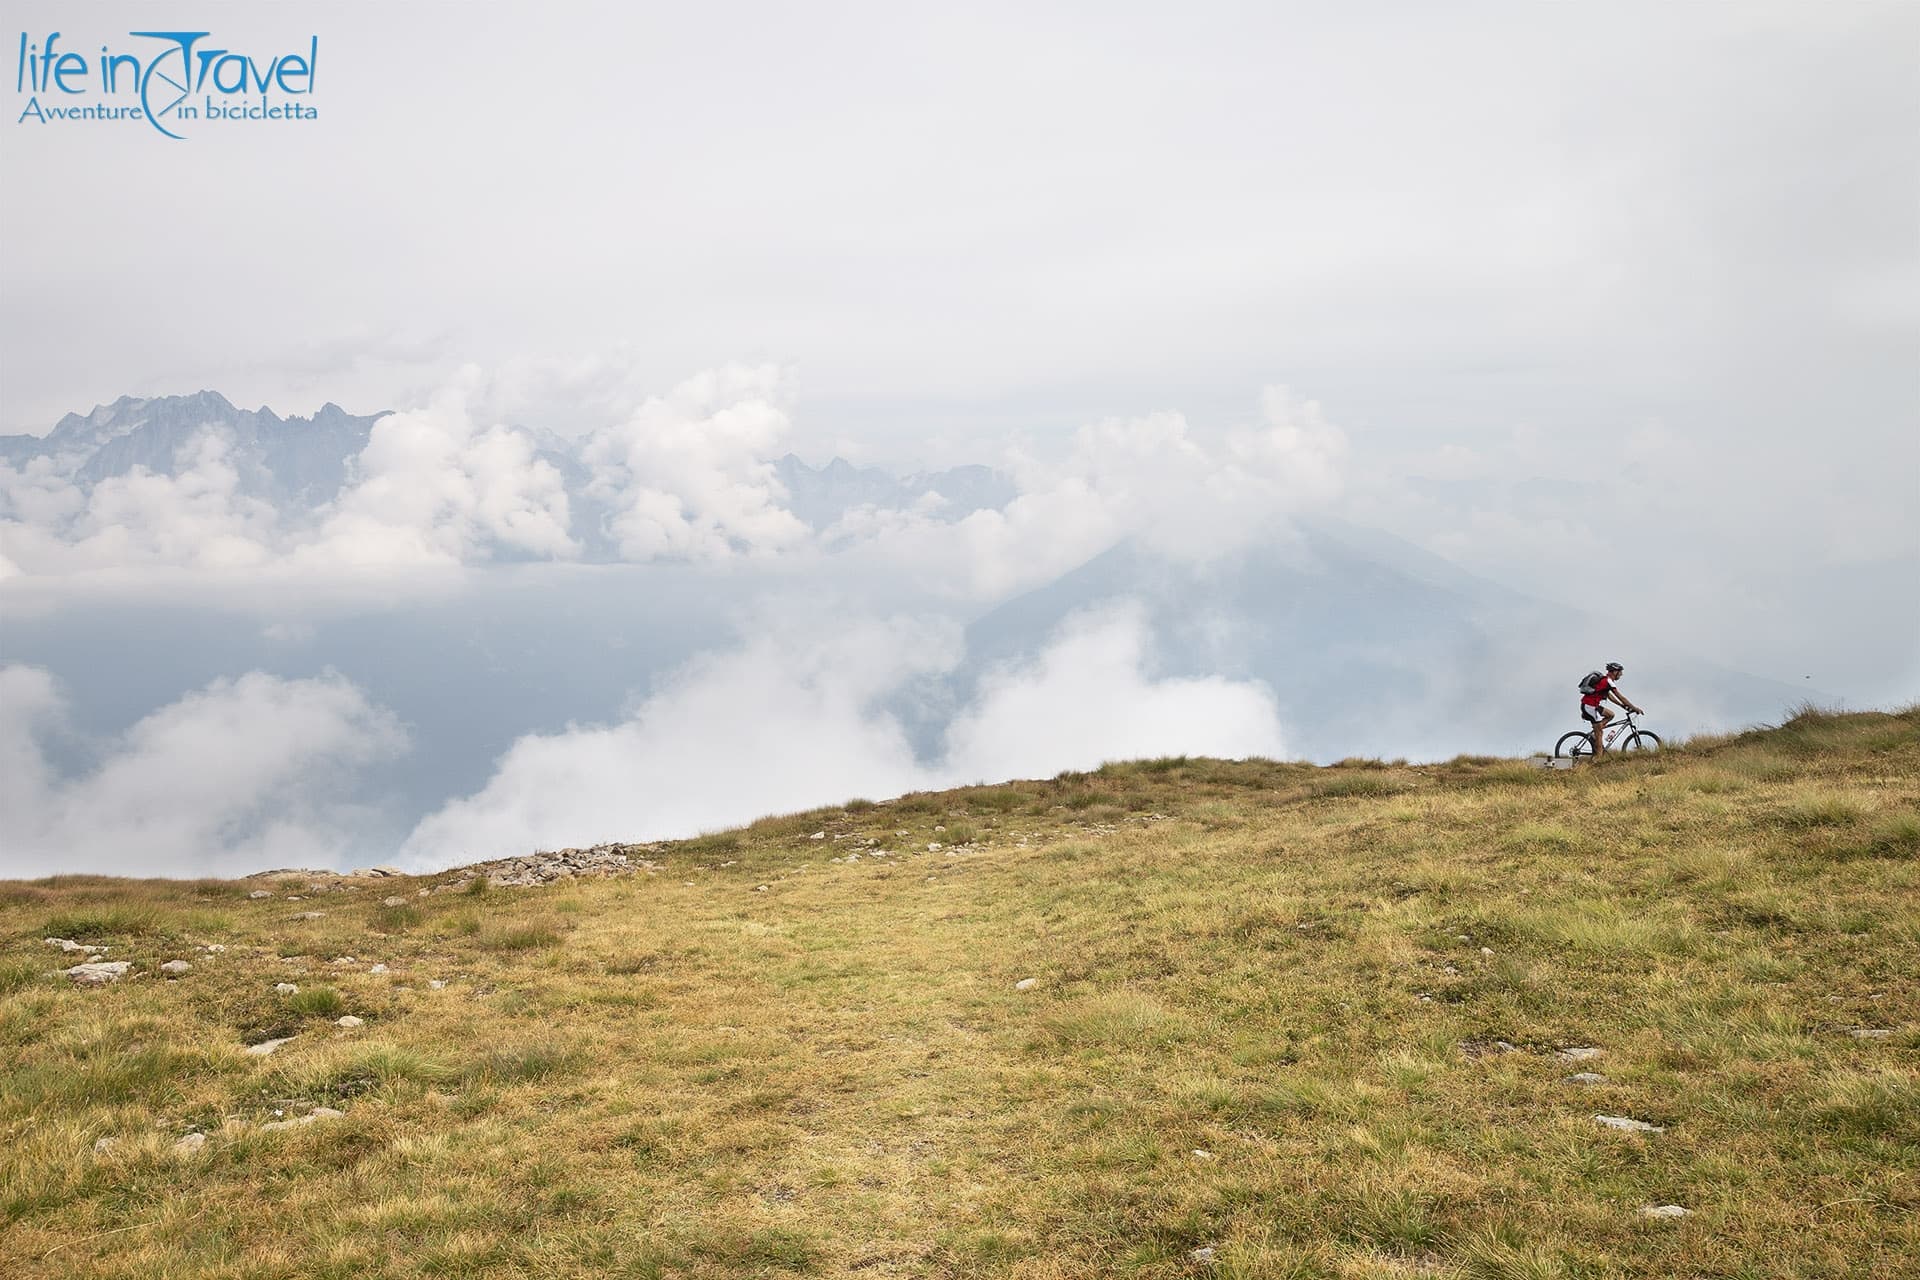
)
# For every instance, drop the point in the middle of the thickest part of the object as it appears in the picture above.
(1642, 741)
(1574, 745)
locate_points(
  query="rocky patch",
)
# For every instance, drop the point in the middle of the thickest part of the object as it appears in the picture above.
(534, 869)
(97, 973)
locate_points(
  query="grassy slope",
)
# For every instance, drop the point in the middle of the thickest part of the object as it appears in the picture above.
(1277, 965)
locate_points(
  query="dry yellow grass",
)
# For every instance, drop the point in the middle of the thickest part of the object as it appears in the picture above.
(1269, 1021)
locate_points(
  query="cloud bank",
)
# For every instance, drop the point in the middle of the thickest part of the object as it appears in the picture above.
(690, 476)
(778, 726)
(258, 772)
(239, 776)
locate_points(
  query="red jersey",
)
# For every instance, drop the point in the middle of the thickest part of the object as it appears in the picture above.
(1600, 689)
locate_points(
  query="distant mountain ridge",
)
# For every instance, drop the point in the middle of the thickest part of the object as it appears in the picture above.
(292, 462)
(301, 464)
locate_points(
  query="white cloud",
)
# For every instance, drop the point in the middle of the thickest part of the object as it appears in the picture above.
(239, 776)
(437, 485)
(197, 517)
(1152, 478)
(689, 475)
(1090, 698)
(792, 720)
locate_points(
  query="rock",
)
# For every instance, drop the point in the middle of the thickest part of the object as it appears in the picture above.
(436, 984)
(191, 1143)
(318, 1113)
(1026, 984)
(97, 973)
(266, 1047)
(1586, 1077)
(308, 915)
(258, 894)
(343, 962)
(421, 893)
(286, 988)
(103, 1145)
(214, 948)
(760, 888)
(1198, 1154)
(818, 835)
(387, 871)
(349, 1022)
(68, 945)
(176, 967)
(1629, 1124)
(1664, 1211)
(1870, 1033)
(1486, 951)
(1202, 1255)
(379, 968)
(395, 901)
(934, 847)
(1582, 1054)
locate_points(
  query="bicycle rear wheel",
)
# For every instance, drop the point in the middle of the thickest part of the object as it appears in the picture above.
(1573, 745)
(1642, 741)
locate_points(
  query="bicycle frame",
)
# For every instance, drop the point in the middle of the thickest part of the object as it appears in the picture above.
(1614, 729)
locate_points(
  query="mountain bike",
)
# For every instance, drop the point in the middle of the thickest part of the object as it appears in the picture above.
(1578, 745)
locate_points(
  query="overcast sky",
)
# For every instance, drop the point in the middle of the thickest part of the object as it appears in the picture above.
(955, 222)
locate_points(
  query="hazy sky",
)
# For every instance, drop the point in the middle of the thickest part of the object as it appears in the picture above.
(959, 221)
(1618, 305)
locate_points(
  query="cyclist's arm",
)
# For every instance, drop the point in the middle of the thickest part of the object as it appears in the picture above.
(1621, 698)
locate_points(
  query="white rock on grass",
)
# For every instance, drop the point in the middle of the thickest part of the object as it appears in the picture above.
(1629, 1124)
(818, 835)
(308, 915)
(68, 945)
(286, 988)
(379, 968)
(1664, 1211)
(1202, 1255)
(1586, 1077)
(393, 902)
(1026, 984)
(176, 967)
(1198, 1154)
(436, 984)
(258, 894)
(1870, 1033)
(97, 973)
(318, 1113)
(1584, 1053)
(266, 1047)
(103, 1145)
(349, 1022)
(190, 1144)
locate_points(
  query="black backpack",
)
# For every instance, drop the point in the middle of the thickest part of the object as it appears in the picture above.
(1590, 682)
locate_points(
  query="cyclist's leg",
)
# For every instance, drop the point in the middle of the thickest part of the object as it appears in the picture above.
(1599, 716)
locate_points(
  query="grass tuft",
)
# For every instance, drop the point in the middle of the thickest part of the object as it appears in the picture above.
(317, 1002)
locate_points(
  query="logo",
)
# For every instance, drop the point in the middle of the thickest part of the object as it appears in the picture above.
(175, 81)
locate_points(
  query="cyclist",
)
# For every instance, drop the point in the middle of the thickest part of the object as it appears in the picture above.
(1593, 696)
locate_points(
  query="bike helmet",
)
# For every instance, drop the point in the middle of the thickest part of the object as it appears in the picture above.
(1614, 668)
